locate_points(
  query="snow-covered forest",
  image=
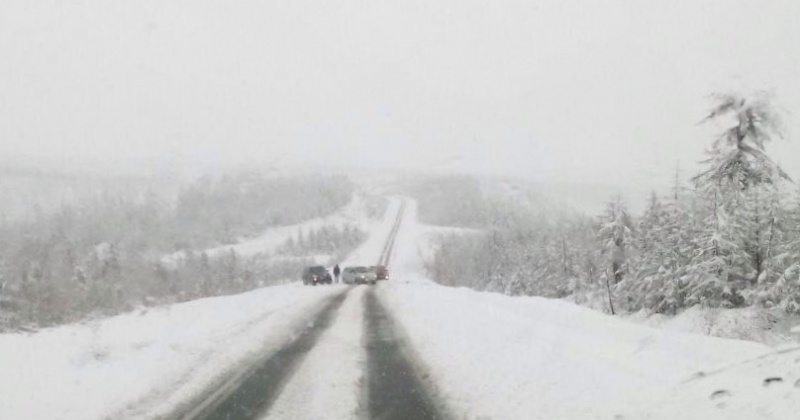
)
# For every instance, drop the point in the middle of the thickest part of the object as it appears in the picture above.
(726, 237)
(107, 254)
(327, 240)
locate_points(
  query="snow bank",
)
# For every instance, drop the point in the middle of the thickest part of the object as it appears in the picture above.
(770, 327)
(502, 357)
(765, 387)
(148, 361)
(491, 356)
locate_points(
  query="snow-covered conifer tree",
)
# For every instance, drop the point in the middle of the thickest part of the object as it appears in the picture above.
(738, 174)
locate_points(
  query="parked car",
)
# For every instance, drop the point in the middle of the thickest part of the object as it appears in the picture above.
(316, 275)
(381, 272)
(358, 275)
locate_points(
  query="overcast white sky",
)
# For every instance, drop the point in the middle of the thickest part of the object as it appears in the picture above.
(552, 90)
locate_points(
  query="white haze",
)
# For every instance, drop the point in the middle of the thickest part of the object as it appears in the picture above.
(563, 92)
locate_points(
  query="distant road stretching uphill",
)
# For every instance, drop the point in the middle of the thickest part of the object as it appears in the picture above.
(386, 254)
(395, 391)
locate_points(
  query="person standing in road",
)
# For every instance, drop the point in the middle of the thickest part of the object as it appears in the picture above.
(336, 273)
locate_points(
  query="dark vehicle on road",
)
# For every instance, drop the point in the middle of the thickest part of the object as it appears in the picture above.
(381, 272)
(358, 275)
(316, 275)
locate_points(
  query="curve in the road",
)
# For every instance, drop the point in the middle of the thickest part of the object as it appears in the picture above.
(253, 395)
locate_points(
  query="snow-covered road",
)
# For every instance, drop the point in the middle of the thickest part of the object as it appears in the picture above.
(471, 355)
(144, 364)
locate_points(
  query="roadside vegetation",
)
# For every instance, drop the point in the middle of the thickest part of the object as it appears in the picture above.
(334, 241)
(105, 256)
(727, 238)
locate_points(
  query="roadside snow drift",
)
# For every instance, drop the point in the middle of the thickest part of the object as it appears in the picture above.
(145, 363)
(499, 357)
(491, 356)
(766, 387)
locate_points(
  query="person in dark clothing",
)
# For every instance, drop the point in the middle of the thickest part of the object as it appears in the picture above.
(336, 272)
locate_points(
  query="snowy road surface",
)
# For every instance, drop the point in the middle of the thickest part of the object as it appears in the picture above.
(250, 395)
(393, 389)
(406, 348)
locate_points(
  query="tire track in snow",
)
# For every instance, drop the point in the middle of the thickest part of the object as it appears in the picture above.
(250, 396)
(329, 383)
(332, 381)
(395, 391)
(386, 254)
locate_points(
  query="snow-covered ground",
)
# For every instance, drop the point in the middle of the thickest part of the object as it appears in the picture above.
(355, 214)
(764, 387)
(484, 355)
(491, 356)
(772, 327)
(145, 362)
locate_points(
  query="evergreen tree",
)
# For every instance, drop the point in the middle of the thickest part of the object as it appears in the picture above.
(779, 286)
(6, 299)
(665, 249)
(738, 174)
(616, 236)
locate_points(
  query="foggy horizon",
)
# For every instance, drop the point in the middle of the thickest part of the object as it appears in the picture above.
(553, 92)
